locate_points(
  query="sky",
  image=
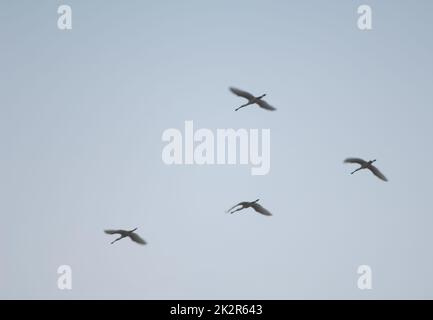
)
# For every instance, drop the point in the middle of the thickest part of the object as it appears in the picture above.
(82, 113)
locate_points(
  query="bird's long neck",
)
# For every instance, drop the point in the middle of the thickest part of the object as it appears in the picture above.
(256, 200)
(262, 96)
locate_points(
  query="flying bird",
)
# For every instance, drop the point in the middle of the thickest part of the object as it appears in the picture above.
(251, 99)
(124, 233)
(366, 165)
(244, 205)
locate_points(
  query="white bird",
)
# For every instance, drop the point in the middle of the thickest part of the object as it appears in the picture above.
(251, 99)
(366, 165)
(124, 233)
(257, 207)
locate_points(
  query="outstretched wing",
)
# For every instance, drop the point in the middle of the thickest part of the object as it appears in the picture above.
(356, 160)
(377, 173)
(260, 209)
(239, 204)
(265, 105)
(242, 93)
(136, 238)
(113, 231)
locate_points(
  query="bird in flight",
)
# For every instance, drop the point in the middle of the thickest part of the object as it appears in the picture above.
(124, 233)
(366, 165)
(243, 205)
(251, 99)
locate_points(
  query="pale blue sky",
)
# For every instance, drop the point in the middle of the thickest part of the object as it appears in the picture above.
(81, 118)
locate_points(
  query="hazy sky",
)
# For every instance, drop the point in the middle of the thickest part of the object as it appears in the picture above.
(82, 114)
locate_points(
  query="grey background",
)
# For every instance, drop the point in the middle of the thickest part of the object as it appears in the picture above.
(81, 118)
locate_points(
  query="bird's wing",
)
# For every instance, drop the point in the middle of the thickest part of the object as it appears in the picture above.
(239, 204)
(265, 105)
(355, 160)
(136, 238)
(113, 231)
(377, 173)
(242, 93)
(260, 209)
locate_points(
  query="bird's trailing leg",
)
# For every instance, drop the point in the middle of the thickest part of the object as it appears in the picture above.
(116, 240)
(239, 209)
(356, 170)
(242, 106)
